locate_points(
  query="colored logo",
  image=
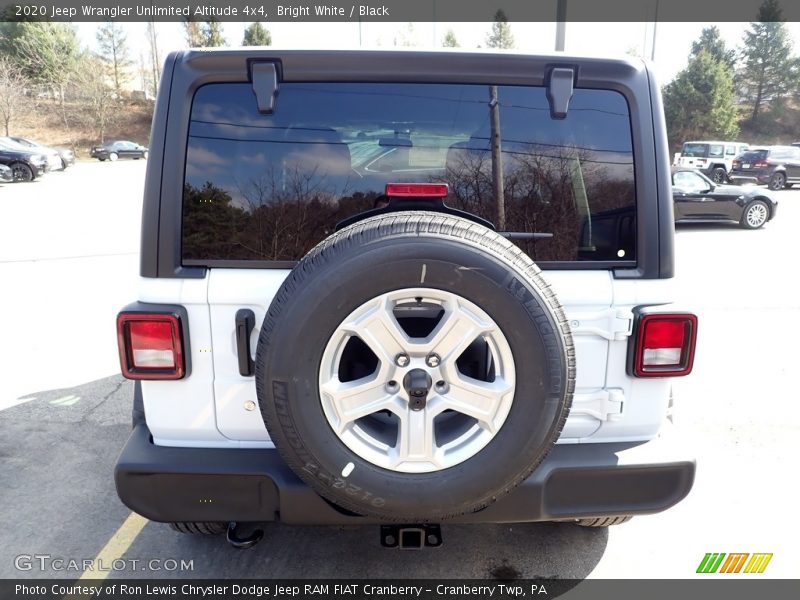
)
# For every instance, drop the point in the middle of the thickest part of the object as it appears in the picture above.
(719, 562)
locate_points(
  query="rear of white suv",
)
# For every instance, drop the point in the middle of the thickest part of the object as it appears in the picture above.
(715, 159)
(368, 277)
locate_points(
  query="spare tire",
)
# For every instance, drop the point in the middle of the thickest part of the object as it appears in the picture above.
(415, 366)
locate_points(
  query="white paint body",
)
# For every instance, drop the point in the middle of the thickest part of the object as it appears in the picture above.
(208, 408)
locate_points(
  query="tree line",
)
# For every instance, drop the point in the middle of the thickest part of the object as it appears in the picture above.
(720, 90)
(724, 89)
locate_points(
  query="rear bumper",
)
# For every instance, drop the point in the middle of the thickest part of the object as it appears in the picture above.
(754, 177)
(252, 485)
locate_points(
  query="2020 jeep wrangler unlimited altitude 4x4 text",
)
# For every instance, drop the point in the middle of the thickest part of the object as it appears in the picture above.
(403, 288)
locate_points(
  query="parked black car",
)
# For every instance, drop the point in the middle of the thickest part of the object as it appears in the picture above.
(6, 174)
(697, 198)
(776, 166)
(119, 149)
(64, 157)
(25, 165)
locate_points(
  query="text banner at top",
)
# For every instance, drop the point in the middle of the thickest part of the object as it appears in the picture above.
(393, 10)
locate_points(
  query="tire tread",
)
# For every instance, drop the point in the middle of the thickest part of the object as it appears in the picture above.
(207, 528)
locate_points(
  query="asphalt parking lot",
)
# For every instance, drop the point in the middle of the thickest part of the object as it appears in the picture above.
(69, 261)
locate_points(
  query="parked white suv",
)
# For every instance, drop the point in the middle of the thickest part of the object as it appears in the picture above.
(715, 159)
(404, 288)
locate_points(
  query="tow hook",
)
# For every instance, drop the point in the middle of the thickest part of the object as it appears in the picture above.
(411, 537)
(242, 543)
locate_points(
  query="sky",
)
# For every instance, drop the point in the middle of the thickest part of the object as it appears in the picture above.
(672, 40)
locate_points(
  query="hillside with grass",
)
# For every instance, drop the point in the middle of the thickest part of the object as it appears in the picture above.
(779, 125)
(75, 127)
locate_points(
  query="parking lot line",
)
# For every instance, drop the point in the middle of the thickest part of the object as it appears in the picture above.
(116, 546)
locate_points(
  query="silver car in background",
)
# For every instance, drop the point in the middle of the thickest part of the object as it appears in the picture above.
(57, 158)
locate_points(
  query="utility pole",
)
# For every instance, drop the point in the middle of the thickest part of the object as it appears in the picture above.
(497, 159)
(655, 27)
(435, 41)
(561, 24)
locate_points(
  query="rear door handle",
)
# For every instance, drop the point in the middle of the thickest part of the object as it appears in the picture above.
(245, 322)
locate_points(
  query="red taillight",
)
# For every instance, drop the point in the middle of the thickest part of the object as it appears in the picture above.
(760, 164)
(150, 346)
(416, 190)
(665, 345)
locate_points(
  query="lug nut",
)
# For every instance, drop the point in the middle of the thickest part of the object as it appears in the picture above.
(402, 360)
(433, 360)
(392, 387)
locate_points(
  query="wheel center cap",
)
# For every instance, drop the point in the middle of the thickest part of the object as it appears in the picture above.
(417, 384)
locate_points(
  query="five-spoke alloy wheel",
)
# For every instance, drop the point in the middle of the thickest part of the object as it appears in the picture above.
(449, 416)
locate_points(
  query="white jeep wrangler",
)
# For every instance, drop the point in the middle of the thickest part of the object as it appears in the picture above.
(714, 159)
(401, 288)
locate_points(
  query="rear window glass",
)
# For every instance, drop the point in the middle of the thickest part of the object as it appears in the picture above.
(695, 150)
(753, 155)
(781, 153)
(270, 187)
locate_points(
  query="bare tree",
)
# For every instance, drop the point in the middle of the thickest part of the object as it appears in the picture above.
(144, 73)
(112, 43)
(193, 31)
(13, 103)
(155, 56)
(98, 94)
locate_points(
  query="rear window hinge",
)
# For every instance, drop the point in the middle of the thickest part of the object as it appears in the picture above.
(560, 86)
(264, 76)
(610, 323)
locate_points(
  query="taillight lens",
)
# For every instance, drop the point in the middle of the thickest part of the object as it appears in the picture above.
(416, 190)
(665, 345)
(150, 346)
(761, 163)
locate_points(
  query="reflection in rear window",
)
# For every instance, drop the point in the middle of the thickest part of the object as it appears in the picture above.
(270, 187)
